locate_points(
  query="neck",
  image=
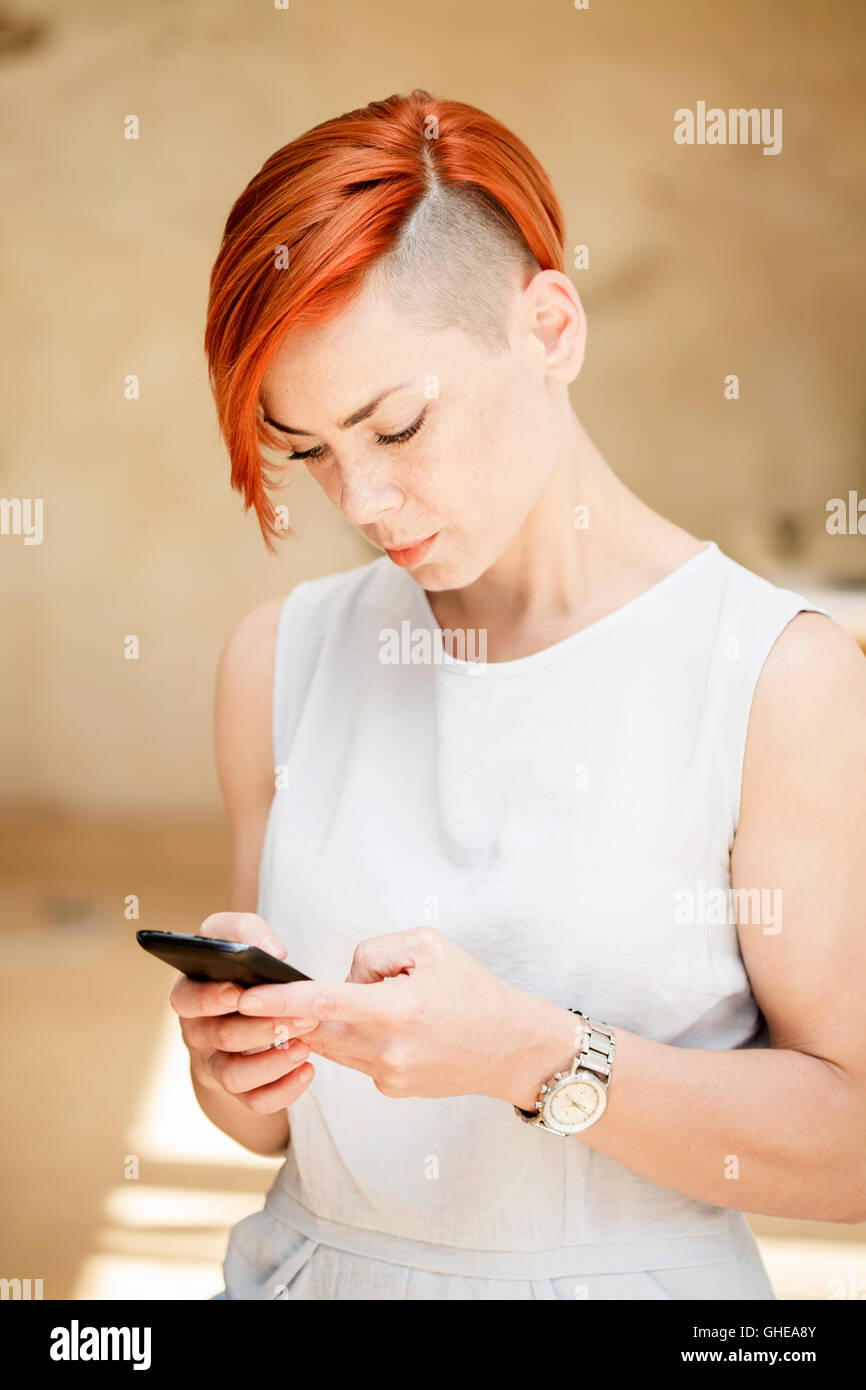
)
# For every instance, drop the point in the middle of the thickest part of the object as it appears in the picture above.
(587, 541)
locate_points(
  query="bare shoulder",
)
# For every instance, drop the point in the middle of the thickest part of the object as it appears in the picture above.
(806, 740)
(242, 708)
(251, 642)
(814, 667)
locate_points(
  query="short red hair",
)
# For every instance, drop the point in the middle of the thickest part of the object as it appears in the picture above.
(321, 211)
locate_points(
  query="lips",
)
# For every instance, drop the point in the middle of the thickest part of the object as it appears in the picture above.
(407, 556)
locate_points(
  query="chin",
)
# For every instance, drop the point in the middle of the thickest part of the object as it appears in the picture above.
(438, 575)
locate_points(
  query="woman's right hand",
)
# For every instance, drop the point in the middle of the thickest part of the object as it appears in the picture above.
(218, 1039)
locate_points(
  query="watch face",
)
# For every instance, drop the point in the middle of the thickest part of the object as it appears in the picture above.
(575, 1103)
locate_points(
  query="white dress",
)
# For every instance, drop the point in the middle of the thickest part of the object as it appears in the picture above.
(567, 818)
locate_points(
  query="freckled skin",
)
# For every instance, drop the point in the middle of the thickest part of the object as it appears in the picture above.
(498, 467)
(473, 471)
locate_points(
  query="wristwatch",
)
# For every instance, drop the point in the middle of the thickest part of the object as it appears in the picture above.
(572, 1101)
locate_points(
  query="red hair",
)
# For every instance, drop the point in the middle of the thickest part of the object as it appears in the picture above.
(320, 212)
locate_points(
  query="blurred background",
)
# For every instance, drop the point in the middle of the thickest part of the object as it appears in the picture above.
(703, 262)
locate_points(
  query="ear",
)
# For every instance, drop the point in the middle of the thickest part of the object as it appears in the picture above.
(555, 318)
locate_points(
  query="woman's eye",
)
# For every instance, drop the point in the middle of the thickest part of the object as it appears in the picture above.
(380, 439)
(403, 435)
(308, 454)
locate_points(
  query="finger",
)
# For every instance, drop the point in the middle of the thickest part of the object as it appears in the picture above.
(351, 1003)
(329, 1046)
(237, 1074)
(246, 927)
(354, 1064)
(342, 1043)
(201, 999)
(267, 1100)
(382, 957)
(234, 1033)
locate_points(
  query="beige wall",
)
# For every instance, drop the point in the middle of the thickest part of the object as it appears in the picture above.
(704, 261)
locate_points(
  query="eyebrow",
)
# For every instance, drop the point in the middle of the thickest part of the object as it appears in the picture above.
(354, 419)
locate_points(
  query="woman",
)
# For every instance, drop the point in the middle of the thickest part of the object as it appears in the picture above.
(578, 1037)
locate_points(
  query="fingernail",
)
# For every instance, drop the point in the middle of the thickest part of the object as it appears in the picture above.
(252, 1003)
(229, 995)
(274, 945)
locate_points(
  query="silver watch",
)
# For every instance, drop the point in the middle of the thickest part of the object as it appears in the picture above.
(572, 1101)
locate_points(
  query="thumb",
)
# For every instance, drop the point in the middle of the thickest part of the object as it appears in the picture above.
(383, 957)
(245, 927)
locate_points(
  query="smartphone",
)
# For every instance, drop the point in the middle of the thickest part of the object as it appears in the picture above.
(203, 958)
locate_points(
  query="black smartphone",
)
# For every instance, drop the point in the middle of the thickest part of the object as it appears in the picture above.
(203, 958)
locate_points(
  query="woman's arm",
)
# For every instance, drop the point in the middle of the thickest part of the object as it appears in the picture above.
(778, 1131)
(245, 769)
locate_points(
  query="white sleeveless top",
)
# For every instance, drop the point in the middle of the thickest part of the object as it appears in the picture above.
(567, 818)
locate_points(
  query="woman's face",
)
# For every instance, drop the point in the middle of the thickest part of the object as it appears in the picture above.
(485, 430)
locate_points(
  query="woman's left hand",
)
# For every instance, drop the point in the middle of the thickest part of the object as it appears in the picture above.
(418, 1015)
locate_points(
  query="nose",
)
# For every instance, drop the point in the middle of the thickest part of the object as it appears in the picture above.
(365, 495)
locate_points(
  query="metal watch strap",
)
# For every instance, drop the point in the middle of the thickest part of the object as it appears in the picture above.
(596, 1055)
(598, 1048)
